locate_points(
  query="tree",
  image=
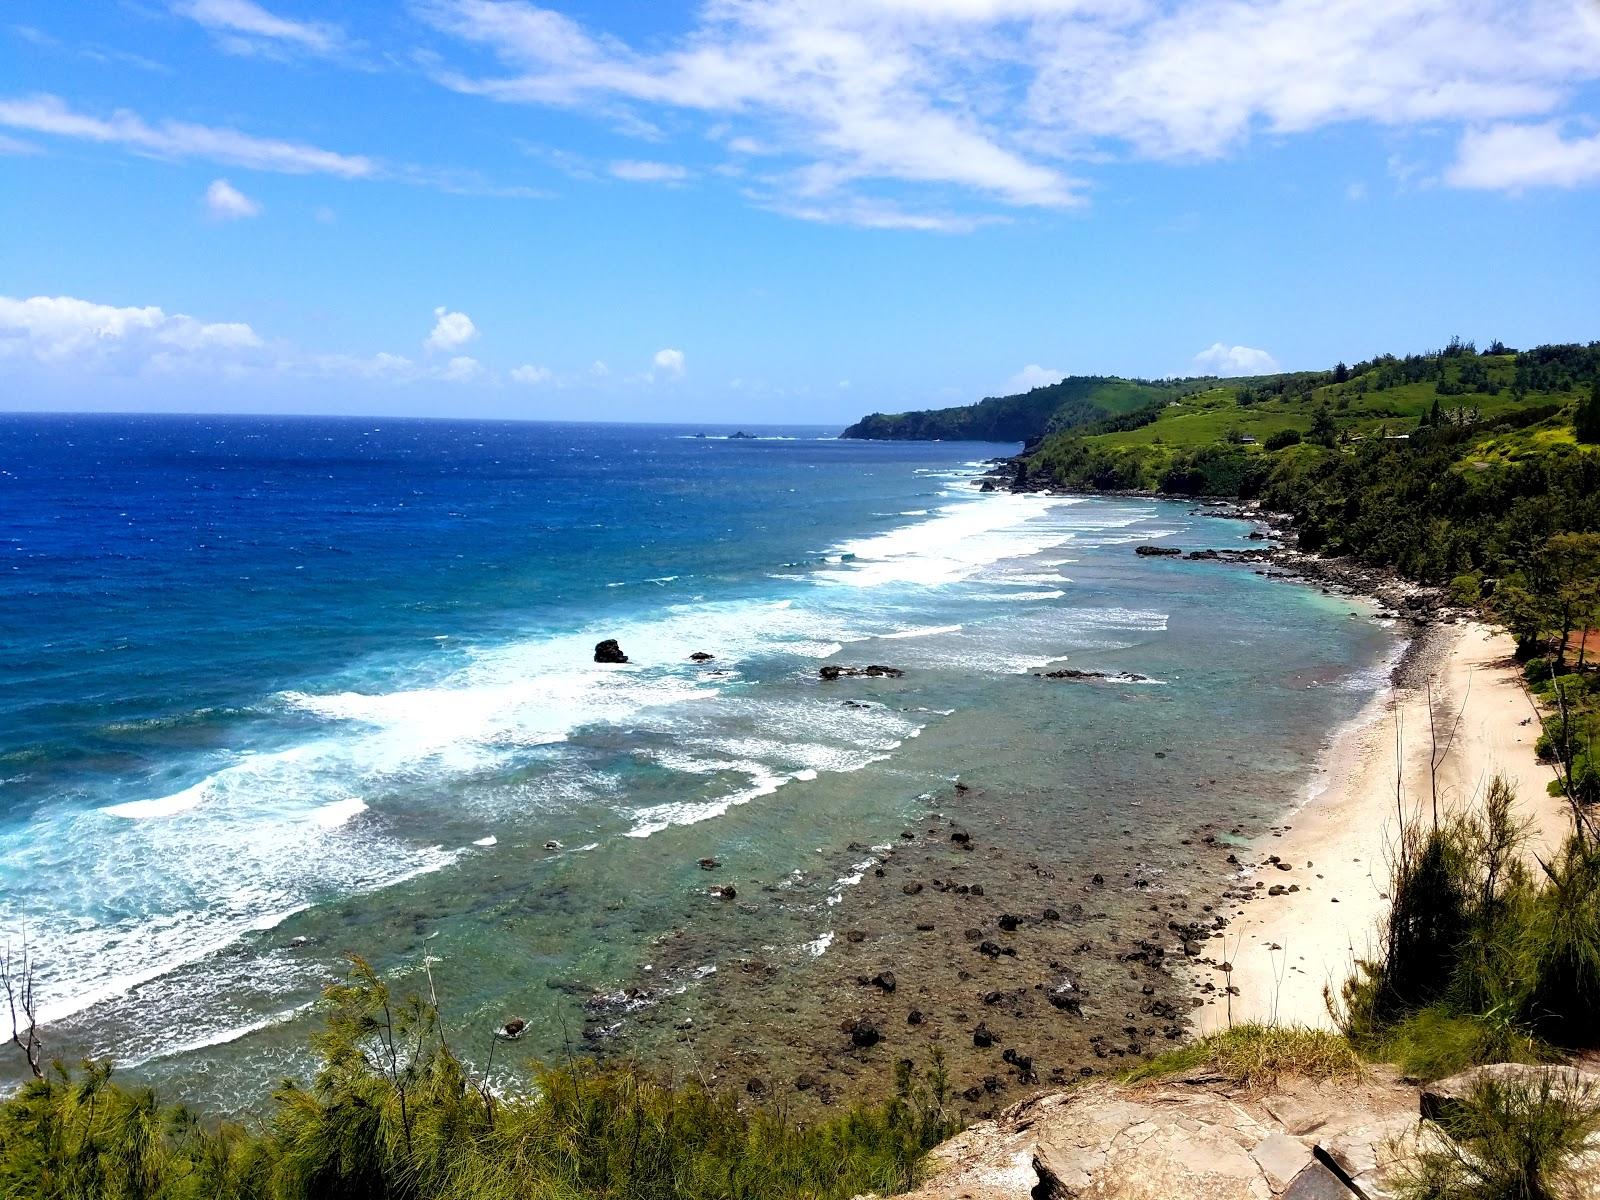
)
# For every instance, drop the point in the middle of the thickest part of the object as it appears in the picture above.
(1586, 421)
(1323, 431)
(1568, 572)
(1341, 373)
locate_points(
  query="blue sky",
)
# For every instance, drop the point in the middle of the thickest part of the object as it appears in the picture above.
(773, 210)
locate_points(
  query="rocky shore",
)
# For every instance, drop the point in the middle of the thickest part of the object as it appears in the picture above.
(1018, 976)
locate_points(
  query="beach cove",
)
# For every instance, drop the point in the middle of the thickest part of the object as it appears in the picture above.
(395, 742)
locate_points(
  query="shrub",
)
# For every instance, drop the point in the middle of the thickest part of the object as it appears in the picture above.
(1511, 1139)
(392, 1114)
(1283, 439)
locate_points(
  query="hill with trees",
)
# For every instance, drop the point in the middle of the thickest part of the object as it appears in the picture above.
(1073, 403)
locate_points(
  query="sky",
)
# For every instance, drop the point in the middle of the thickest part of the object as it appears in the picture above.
(773, 210)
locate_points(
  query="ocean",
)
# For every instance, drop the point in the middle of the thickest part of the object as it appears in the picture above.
(278, 690)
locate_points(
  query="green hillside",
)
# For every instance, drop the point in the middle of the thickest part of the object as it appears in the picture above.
(1076, 401)
(1440, 464)
(1226, 438)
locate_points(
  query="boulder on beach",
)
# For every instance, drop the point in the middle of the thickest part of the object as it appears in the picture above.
(609, 651)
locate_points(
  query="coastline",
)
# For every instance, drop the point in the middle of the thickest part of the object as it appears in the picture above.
(1284, 950)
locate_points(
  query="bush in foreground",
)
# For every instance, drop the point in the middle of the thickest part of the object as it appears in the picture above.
(393, 1114)
(1511, 1139)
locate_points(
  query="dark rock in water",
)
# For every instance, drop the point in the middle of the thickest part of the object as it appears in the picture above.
(701, 656)
(1067, 998)
(513, 1028)
(741, 436)
(884, 980)
(609, 652)
(1071, 673)
(864, 1034)
(911, 889)
(977, 889)
(983, 1037)
(1009, 922)
(875, 671)
(709, 864)
(914, 1017)
(855, 935)
(1099, 880)
(960, 836)
(1157, 551)
(1051, 914)
(724, 891)
(988, 486)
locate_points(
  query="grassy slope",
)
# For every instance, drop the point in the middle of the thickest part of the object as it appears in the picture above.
(1209, 417)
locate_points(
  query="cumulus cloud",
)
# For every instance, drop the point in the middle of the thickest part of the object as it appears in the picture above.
(530, 374)
(224, 202)
(1511, 157)
(242, 26)
(68, 332)
(179, 139)
(1032, 376)
(636, 171)
(668, 363)
(1221, 359)
(451, 330)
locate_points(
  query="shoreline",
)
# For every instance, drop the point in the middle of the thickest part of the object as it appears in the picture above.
(1281, 951)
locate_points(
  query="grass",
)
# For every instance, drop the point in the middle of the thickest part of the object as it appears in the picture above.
(1257, 1056)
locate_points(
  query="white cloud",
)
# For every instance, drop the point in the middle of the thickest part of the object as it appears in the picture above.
(668, 362)
(1032, 376)
(636, 171)
(461, 369)
(224, 202)
(1220, 359)
(530, 374)
(994, 98)
(181, 140)
(1512, 156)
(451, 330)
(1355, 192)
(599, 369)
(245, 27)
(16, 146)
(68, 332)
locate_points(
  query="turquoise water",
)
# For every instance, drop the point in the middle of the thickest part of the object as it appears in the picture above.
(281, 689)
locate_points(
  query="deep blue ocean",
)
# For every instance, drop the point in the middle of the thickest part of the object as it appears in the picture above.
(274, 689)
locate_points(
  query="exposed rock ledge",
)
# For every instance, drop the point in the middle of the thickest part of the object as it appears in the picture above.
(1193, 1139)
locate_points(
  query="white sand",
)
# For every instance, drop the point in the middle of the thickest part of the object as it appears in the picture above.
(1285, 949)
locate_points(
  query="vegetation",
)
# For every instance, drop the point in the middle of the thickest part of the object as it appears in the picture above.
(1481, 962)
(1076, 402)
(1255, 1056)
(394, 1114)
(1510, 1140)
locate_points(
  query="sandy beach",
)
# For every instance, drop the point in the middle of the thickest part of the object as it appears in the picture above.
(1285, 949)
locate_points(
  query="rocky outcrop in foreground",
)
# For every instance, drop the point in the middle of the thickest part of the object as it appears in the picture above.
(1197, 1139)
